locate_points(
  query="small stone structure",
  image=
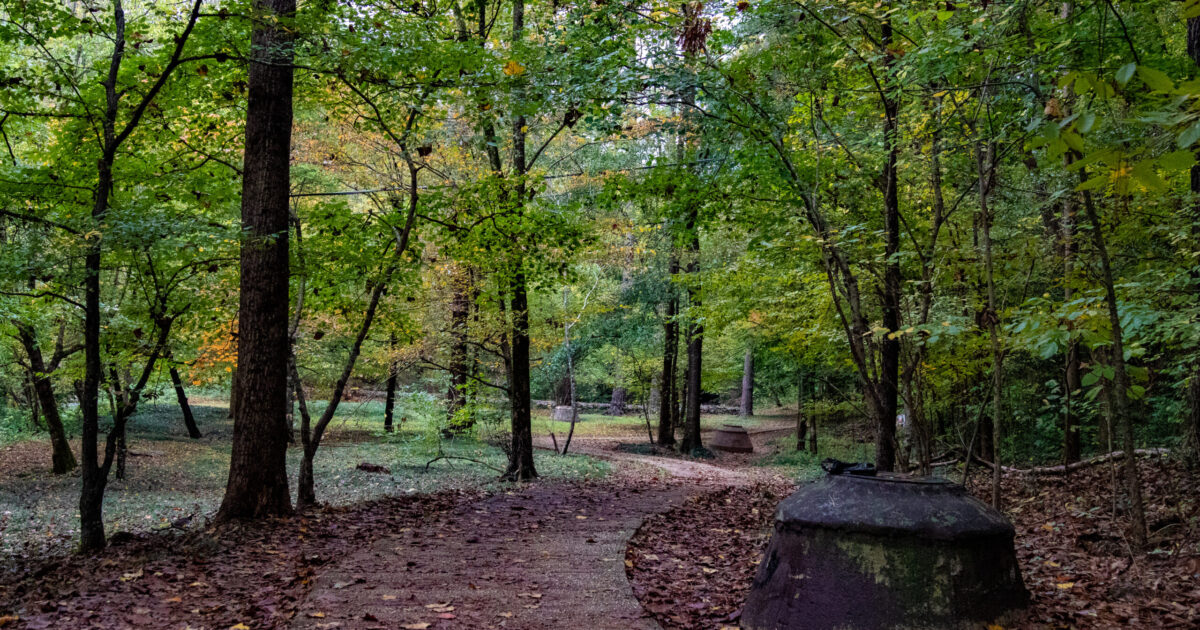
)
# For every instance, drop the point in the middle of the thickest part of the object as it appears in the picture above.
(562, 413)
(731, 438)
(886, 551)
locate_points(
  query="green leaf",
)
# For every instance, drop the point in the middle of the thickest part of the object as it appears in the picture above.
(1125, 73)
(1073, 140)
(1098, 181)
(1144, 173)
(1155, 79)
(1177, 160)
(1089, 379)
(1189, 136)
(1086, 121)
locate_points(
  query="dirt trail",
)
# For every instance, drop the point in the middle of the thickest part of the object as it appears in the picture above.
(548, 556)
(544, 556)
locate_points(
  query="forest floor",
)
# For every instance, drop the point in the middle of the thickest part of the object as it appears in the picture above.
(613, 536)
(691, 567)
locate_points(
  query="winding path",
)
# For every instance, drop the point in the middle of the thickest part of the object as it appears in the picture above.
(545, 556)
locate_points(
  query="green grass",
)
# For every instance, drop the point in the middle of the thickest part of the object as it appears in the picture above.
(805, 466)
(174, 476)
(599, 425)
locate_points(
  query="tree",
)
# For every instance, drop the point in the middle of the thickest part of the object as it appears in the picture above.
(257, 485)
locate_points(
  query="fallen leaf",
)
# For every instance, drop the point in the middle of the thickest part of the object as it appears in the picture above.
(132, 576)
(415, 626)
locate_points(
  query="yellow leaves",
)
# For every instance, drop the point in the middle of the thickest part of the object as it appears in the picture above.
(1065, 585)
(7, 619)
(317, 615)
(513, 69)
(239, 626)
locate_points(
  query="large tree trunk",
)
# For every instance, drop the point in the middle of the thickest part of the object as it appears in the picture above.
(189, 420)
(258, 484)
(747, 408)
(62, 459)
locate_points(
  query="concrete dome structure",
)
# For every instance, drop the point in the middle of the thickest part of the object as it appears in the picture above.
(887, 551)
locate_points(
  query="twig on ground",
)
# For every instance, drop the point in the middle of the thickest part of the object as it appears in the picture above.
(467, 459)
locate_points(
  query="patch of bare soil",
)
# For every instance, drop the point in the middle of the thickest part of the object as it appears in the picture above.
(252, 574)
(692, 567)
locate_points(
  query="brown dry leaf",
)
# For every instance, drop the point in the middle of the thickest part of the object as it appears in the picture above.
(416, 626)
(7, 619)
(506, 614)
(317, 615)
(388, 597)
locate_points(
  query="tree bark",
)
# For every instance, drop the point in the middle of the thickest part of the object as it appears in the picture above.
(62, 459)
(520, 462)
(889, 359)
(695, 348)
(570, 373)
(747, 408)
(389, 401)
(189, 420)
(667, 389)
(258, 484)
(801, 421)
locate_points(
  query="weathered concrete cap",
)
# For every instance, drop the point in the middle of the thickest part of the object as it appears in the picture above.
(893, 505)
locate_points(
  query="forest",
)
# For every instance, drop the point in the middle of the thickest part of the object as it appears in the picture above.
(286, 284)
